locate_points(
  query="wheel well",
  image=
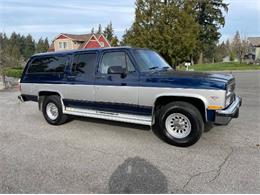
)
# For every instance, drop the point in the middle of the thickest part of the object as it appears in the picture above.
(43, 94)
(198, 103)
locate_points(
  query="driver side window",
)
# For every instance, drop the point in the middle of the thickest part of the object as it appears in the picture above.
(115, 59)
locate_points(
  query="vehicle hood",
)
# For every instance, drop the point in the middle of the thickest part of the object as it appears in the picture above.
(187, 79)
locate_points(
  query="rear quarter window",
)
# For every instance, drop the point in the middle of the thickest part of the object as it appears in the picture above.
(48, 64)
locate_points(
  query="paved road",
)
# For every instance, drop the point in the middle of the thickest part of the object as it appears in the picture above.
(95, 156)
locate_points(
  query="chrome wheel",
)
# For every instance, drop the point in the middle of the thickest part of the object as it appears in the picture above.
(52, 111)
(178, 125)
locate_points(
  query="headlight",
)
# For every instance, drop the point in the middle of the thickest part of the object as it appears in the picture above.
(229, 94)
(228, 100)
(229, 90)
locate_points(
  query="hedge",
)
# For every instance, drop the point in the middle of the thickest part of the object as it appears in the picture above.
(14, 72)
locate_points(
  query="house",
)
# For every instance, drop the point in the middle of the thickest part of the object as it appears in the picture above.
(254, 49)
(227, 59)
(66, 41)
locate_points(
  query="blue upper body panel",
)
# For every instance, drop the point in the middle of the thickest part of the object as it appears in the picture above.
(185, 79)
(153, 78)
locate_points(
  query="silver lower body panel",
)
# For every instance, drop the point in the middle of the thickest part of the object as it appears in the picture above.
(128, 118)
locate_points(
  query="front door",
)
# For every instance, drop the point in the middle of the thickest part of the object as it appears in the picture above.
(117, 92)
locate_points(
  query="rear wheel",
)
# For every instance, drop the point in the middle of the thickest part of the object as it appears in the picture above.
(52, 110)
(179, 123)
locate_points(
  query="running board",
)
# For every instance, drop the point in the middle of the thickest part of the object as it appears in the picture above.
(128, 118)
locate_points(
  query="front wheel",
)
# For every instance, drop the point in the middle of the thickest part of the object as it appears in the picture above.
(180, 124)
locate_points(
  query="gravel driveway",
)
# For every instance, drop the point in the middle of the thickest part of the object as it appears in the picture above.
(96, 156)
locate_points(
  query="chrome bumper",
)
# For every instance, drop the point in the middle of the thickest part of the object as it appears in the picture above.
(223, 117)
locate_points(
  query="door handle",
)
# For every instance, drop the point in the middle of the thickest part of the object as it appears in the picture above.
(71, 77)
(123, 84)
(100, 76)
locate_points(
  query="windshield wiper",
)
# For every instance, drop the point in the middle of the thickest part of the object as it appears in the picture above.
(166, 67)
(154, 67)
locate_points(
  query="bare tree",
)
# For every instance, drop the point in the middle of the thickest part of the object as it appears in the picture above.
(239, 46)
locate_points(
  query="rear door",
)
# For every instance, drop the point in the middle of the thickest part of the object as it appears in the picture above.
(114, 92)
(79, 91)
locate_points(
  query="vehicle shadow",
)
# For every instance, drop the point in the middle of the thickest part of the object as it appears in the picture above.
(136, 175)
(112, 123)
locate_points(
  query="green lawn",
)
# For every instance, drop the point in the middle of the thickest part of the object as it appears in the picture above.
(221, 66)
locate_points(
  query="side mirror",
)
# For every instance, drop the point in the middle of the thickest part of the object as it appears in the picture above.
(116, 70)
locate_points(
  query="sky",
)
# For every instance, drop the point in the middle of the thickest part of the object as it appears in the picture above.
(48, 18)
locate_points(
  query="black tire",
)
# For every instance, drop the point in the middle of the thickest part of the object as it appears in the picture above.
(61, 118)
(189, 111)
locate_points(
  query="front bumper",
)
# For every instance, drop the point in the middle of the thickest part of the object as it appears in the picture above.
(223, 117)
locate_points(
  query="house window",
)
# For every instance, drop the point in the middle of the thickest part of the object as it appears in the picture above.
(102, 44)
(63, 45)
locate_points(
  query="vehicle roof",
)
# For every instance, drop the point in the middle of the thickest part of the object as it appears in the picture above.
(79, 50)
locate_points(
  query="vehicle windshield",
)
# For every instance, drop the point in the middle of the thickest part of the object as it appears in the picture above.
(149, 60)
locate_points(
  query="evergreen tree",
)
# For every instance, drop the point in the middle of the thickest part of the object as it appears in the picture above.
(209, 15)
(99, 31)
(29, 47)
(12, 50)
(165, 27)
(22, 45)
(42, 45)
(46, 44)
(92, 30)
(18, 48)
(109, 32)
(114, 42)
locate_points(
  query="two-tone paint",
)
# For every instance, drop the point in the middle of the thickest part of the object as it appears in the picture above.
(131, 98)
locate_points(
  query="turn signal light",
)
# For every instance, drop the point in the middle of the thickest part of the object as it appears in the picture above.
(212, 107)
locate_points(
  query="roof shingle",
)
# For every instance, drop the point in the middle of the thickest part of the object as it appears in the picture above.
(255, 41)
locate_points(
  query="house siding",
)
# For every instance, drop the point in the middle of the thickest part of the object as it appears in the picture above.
(102, 39)
(257, 53)
(58, 41)
(92, 44)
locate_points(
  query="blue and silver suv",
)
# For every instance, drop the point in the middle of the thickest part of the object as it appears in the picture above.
(129, 85)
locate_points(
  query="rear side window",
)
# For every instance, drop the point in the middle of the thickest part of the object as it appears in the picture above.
(84, 63)
(48, 64)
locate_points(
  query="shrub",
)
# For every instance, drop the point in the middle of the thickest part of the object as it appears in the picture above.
(14, 72)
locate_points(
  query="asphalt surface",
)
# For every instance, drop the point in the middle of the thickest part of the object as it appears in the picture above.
(96, 156)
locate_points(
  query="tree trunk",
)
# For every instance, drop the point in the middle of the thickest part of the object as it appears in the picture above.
(200, 58)
(3, 80)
